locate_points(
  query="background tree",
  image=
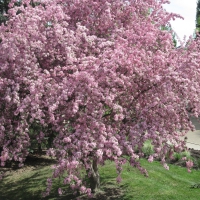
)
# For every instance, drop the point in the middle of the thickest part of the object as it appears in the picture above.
(102, 77)
(198, 17)
(3, 10)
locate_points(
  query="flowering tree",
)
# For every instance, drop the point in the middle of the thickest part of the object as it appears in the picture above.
(99, 77)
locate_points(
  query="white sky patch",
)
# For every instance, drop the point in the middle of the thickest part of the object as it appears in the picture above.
(187, 9)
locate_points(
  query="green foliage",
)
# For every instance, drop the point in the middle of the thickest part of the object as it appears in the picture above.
(147, 148)
(198, 17)
(178, 156)
(108, 110)
(174, 39)
(196, 163)
(195, 186)
(3, 10)
(186, 154)
(3, 19)
(45, 141)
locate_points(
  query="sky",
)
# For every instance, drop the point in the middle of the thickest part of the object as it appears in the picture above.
(187, 9)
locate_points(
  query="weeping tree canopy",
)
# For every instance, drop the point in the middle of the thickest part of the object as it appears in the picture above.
(102, 76)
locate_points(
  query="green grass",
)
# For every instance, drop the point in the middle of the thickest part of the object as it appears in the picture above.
(27, 184)
(175, 184)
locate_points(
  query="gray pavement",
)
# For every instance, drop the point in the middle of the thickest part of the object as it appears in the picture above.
(193, 140)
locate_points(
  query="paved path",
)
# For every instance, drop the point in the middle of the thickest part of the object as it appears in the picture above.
(193, 140)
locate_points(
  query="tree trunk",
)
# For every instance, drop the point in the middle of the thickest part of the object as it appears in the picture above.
(94, 177)
(39, 148)
(50, 139)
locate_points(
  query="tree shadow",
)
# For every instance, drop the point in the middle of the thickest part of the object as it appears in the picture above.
(31, 188)
(31, 182)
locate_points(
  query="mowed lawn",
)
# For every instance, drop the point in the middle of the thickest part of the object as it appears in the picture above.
(175, 184)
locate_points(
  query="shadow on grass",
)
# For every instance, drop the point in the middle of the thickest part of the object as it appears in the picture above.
(31, 161)
(34, 160)
(29, 182)
(24, 189)
(31, 188)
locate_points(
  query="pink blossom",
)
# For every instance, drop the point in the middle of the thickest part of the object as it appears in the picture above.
(4, 156)
(119, 179)
(150, 159)
(108, 152)
(99, 153)
(184, 158)
(60, 191)
(82, 189)
(166, 166)
(189, 165)
(67, 140)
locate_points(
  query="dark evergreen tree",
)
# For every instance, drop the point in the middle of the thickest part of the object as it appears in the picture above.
(3, 10)
(198, 17)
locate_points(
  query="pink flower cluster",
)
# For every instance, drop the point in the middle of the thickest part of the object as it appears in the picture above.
(189, 165)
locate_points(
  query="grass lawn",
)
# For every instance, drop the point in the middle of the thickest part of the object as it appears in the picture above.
(175, 184)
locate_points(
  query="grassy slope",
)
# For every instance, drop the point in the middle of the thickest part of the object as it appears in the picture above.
(161, 184)
(27, 184)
